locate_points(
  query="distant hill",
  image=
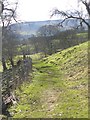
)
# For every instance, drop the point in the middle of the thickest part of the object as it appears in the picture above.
(27, 29)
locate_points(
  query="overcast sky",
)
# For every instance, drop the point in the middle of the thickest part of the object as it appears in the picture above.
(39, 10)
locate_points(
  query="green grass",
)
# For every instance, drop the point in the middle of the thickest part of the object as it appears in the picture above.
(59, 87)
(84, 35)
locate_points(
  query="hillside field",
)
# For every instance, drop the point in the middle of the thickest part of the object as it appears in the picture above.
(58, 87)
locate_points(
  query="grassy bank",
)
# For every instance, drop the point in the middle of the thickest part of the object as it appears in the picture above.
(59, 87)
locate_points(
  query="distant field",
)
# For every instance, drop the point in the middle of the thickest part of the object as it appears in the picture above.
(84, 35)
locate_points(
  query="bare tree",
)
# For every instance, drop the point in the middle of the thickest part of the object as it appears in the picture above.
(9, 46)
(47, 32)
(7, 15)
(76, 15)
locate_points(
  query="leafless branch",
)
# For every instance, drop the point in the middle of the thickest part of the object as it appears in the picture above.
(70, 15)
(8, 13)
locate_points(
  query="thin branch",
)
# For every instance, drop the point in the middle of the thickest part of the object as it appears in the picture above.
(9, 10)
(75, 15)
(9, 15)
(87, 5)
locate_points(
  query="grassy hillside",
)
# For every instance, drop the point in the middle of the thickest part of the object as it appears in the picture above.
(59, 87)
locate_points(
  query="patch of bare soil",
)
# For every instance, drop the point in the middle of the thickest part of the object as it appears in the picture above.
(49, 99)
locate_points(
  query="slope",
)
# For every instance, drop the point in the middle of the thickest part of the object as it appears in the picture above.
(59, 87)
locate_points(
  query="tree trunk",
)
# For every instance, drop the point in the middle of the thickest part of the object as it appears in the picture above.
(4, 64)
(24, 56)
(88, 32)
(11, 61)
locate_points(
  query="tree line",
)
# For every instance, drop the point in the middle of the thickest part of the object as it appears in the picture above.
(49, 44)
